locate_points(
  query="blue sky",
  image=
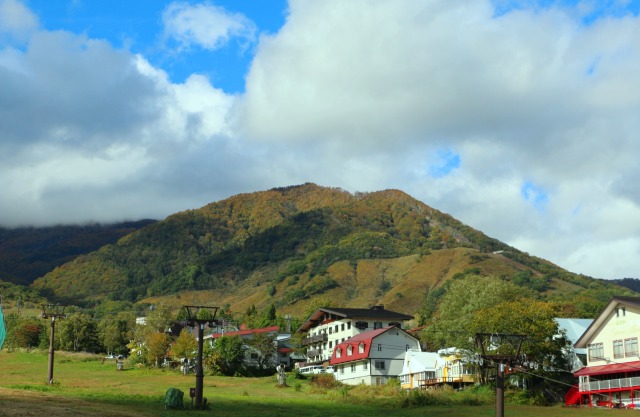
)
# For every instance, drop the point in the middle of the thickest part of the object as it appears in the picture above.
(138, 26)
(505, 114)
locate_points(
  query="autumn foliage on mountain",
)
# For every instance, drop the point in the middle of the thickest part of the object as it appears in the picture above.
(292, 246)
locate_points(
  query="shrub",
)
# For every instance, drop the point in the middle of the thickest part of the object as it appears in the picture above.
(325, 381)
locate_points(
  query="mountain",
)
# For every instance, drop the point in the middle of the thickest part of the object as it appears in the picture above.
(27, 253)
(290, 246)
(631, 283)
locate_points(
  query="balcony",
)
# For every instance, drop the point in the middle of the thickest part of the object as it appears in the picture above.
(314, 339)
(610, 384)
(314, 352)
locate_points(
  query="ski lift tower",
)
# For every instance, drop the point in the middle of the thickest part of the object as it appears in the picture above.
(199, 316)
(52, 311)
(501, 350)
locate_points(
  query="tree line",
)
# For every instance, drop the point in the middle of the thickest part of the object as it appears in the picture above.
(162, 339)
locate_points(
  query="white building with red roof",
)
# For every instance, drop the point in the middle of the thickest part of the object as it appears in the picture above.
(328, 326)
(612, 375)
(372, 357)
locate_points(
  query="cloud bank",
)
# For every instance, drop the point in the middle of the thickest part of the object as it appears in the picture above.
(521, 122)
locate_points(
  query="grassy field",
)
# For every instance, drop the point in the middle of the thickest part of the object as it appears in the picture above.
(85, 386)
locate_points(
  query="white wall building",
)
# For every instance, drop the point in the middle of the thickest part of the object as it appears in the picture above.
(418, 368)
(612, 375)
(372, 357)
(328, 327)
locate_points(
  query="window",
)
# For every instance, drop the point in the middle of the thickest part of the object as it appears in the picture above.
(618, 350)
(353, 367)
(362, 325)
(338, 353)
(342, 327)
(631, 347)
(365, 365)
(377, 325)
(396, 324)
(596, 352)
(349, 350)
(406, 348)
(379, 365)
(342, 369)
(330, 330)
(361, 347)
(336, 328)
(348, 325)
(330, 345)
(379, 347)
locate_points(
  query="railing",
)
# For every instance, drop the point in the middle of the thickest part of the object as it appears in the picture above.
(314, 352)
(572, 397)
(314, 339)
(441, 380)
(610, 384)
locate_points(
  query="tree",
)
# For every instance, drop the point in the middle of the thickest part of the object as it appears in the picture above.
(544, 344)
(270, 314)
(116, 332)
(226, 355)
(264, 346)
(458, 306)
(78, 333)
(185, 346)
(544, 341)
(159, 319)
(157, 346)
(23, 332)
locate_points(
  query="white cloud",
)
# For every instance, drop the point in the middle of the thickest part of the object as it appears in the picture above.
(16, 20)
(358, 94)
(205, 25)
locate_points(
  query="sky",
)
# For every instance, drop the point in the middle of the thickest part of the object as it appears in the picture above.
(519, 118)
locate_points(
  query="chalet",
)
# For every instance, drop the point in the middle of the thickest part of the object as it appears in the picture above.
(612, 375)
(418, 368)
(328, 327)
(372, 357)
(453, 369)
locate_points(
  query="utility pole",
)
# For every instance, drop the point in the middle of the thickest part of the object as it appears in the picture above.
(506, 348)
(52, 311)
(199, 316)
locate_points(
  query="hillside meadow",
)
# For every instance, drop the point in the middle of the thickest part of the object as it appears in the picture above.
(88, 386)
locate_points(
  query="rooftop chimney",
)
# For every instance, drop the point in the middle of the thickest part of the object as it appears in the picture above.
(378, 307)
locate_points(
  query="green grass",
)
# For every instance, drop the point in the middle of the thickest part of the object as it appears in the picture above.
(87, 387)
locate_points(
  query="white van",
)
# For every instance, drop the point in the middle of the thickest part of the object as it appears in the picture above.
(315, 369)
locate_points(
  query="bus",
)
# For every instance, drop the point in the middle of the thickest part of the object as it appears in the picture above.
(315, 369)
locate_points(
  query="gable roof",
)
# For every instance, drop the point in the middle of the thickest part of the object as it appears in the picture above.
(604, 314)
(376, 312)
(574, 329)
(366, 338)
(415, 362)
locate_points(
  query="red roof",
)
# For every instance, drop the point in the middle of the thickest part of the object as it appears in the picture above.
(247, 332)
(354, 342)
(614, 368)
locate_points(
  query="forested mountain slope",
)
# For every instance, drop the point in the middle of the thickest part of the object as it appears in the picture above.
(289, 246)
(27, 253)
